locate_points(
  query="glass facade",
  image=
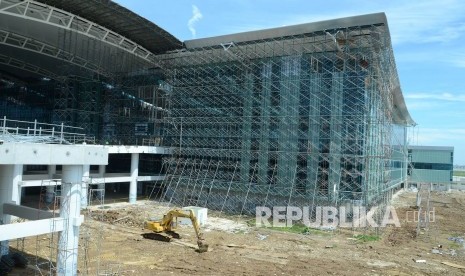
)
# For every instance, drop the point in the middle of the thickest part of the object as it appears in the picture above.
(125, 112)
(284, 121)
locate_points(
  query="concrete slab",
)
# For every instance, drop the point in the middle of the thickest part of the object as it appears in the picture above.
(50, 154)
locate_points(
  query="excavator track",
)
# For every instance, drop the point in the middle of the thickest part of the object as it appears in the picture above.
(156, 237)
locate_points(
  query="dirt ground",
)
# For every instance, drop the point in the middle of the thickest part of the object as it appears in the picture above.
(111, 240)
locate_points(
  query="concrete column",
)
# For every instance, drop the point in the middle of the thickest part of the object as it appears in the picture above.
(101, 170)
(50, 192)
(70, 210)
(51, 170)
(134, 175)
(23, 192)
(85, 185)
(101, 173)
(10, 175)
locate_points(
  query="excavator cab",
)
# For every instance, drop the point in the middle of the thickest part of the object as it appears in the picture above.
(168, 224)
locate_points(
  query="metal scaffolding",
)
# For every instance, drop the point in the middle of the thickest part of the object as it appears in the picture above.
(301, 115)
(288, 119)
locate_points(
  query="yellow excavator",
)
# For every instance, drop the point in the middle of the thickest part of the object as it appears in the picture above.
(169, 223)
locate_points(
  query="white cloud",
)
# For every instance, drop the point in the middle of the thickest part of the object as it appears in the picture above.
(456, 59)
(436, 136)
(437, 96)
(426, 21)
(196, 16)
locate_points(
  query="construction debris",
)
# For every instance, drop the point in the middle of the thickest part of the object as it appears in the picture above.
(457, 239)
(419, 261)
(453, 265)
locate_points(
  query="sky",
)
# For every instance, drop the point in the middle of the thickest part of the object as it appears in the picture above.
(428, 40)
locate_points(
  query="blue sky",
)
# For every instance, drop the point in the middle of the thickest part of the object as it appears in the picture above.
(428, 39)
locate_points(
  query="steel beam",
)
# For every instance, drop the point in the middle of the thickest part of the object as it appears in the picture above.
(36, 11)
(31, 228)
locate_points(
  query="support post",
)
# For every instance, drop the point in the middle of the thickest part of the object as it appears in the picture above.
(70, 211)
(85, 185)
(10, 176)
(101, 173)
(406, 160)
(50, 190)
(4, 125)
(101, 170)
(134, 175)
(61, 133)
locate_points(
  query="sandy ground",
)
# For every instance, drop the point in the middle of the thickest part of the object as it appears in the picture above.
(111, 240)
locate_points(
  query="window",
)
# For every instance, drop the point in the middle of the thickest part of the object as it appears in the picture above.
(432, 166)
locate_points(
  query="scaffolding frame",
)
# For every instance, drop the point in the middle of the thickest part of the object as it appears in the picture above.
(292, 120)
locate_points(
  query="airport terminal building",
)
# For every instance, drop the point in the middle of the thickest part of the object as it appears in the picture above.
(303, 115)
(286, 115)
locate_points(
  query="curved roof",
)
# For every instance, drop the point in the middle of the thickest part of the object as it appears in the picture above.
(122, 21)
(83, 38)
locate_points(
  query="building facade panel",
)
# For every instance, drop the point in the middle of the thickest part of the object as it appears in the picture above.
(430, 164)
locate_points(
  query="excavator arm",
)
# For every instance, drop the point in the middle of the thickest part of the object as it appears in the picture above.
(167, 225)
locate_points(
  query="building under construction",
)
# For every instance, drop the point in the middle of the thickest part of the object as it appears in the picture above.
(284, 116)
(300, 115)
(304, 115)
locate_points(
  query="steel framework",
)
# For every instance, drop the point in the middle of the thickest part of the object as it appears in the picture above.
(287, 120)
(40, 12)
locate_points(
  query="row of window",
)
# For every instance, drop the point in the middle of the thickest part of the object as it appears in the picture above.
(432, 166)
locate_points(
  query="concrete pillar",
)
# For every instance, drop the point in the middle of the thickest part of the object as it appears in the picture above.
(51, 170)
(85, 185)
(101, 173)
(101, 170)
(134, 175)
(23, 193)
(70, 210)
(406, 161)
(50, 192)
(10, 175)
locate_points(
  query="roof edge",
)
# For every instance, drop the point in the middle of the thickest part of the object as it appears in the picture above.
(345, 22)
(401, 113)
(431, 147)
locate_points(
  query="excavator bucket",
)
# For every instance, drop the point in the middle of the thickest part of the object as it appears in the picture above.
(203, 247)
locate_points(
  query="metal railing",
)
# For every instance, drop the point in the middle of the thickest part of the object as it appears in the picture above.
(35, 132)
(152, 142)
